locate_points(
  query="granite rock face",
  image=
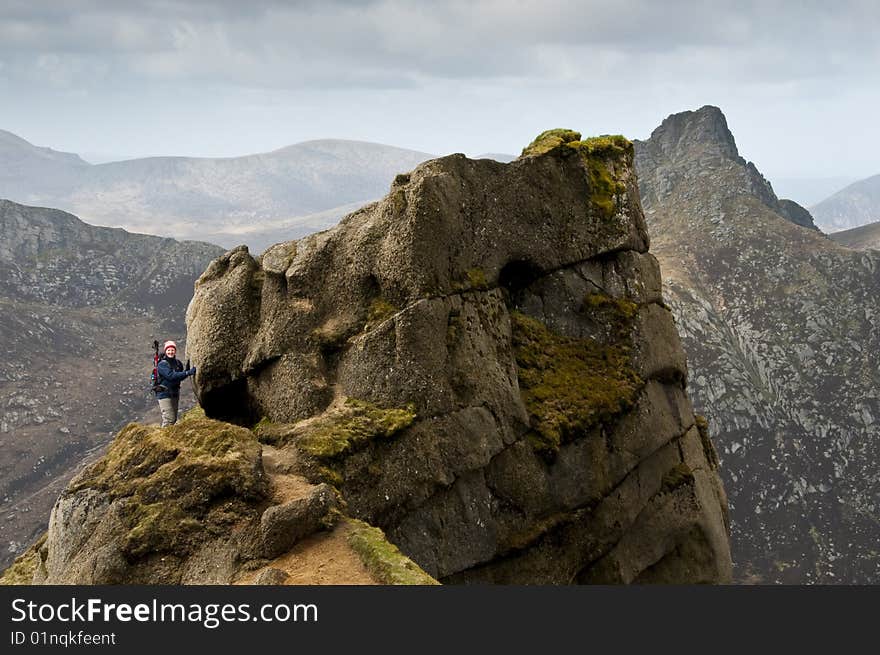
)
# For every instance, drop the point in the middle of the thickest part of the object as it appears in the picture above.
(482, 365)
(781, 328)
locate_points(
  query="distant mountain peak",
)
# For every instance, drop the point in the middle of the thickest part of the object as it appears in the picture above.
(692, 148)
(856, 205)
(703, 129)
(13, 146)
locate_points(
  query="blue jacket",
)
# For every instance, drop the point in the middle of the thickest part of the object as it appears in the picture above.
(171, 374)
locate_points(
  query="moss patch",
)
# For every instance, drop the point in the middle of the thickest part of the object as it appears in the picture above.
(474, 279)
(678, 476)
(383, 559)
(22, 570)
(195, 413)
(599, 155)
(477, 278)
(546, 141)
(350, 427)
(180, 484)
(380, 310)
(597, 302)
(607, 145)
(273, 434)
(535, 530)
(569, 385)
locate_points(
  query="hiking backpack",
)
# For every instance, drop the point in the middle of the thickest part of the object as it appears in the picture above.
(155, 387)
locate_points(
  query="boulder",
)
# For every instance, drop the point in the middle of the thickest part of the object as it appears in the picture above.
(481, 365)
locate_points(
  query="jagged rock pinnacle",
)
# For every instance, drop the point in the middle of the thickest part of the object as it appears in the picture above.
(704, 130)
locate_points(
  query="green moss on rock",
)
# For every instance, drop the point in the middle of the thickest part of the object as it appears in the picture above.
(383, 559)
(22, 570)
(352, 426)
(195, 413)
(599, 155)
(550, 139)
(477, 278)
(273, 434)
(601, 302)
(380, 310)
(569, 385)
(179, 484)
(607, 145)
(533, 532)
(680, 475)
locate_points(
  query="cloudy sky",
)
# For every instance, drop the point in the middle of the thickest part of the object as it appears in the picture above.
(798, 81)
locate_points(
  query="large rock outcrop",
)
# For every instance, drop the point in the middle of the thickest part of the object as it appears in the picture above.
(482, 365)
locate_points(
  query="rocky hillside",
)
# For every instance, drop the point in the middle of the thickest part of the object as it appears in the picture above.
(227, 201)
(856, 205)
(782, 330)
(81, 306)
(480, 365)
(860, 238)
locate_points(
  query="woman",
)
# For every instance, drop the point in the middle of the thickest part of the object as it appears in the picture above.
(171, 374)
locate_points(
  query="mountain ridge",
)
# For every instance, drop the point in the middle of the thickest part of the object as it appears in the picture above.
(860, 238)
(781, 327)
(186, 197)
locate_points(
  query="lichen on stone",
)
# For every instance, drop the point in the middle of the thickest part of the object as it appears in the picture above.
(333, 333)
(601, 302)
(380, 310)
(597, 153)
(570, 385)
(178, 483)
(21, 572)
(352, 426)
(680, 475)
(550, 139)
(383, 559)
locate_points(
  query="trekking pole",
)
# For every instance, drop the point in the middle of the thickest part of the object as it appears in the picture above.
(155, 365)
(192, 381)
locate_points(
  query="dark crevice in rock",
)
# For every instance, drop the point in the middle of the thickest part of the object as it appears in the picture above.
(516, 277)
(263, 364)
(231, 403)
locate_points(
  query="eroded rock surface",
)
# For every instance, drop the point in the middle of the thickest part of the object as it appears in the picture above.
(482, 365)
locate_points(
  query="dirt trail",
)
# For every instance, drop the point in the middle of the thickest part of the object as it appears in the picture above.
(324, 558)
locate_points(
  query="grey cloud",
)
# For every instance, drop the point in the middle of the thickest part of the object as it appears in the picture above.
(370, 43)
